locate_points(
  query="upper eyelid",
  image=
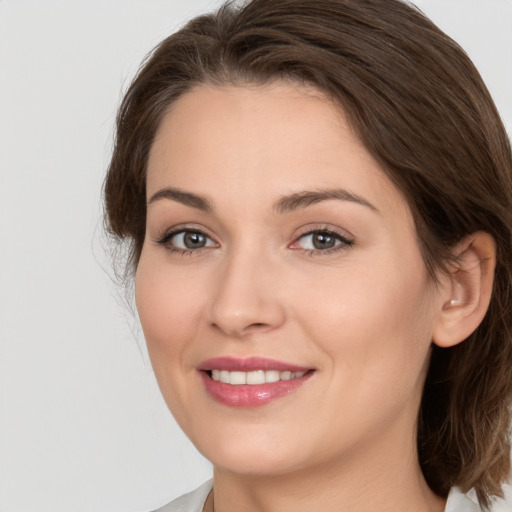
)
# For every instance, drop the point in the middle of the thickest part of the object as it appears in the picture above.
(185, 227)
(307, 230)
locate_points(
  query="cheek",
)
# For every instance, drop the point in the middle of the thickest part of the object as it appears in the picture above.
(168, 307)
(375, 324)
(170, 312)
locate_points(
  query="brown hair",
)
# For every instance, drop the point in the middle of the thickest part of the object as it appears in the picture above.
(420, 107)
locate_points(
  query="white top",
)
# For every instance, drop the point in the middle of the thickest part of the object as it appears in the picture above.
(194, 501)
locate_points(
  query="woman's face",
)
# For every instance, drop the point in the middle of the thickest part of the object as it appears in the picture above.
(275, 246)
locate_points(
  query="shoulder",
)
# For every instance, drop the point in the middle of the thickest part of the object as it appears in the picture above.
(190, 502)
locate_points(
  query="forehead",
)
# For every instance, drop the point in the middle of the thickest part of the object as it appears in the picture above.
(262, 141)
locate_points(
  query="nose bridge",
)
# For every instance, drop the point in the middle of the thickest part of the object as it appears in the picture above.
(245, 298)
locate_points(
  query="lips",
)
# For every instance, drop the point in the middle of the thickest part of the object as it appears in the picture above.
(251, 382)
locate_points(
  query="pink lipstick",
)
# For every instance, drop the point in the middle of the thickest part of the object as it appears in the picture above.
(251, 382)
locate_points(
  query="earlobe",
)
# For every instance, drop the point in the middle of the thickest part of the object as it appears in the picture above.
(468, 290)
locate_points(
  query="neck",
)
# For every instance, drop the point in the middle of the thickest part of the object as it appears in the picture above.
(388, 480)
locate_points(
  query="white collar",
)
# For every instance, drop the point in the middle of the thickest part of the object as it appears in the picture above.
(459, 502)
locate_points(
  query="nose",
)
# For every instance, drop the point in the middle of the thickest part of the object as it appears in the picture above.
(246, 299)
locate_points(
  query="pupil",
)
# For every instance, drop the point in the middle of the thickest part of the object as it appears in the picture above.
(194, 240)
(323, 241)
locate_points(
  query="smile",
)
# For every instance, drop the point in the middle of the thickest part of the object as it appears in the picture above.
(251, 382)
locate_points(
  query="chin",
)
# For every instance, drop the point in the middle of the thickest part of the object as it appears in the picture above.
(253, 464)
(249, 455)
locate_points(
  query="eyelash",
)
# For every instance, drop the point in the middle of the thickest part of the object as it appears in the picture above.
(344, 242)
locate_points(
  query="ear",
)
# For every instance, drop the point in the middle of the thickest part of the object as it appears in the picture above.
(467, 290)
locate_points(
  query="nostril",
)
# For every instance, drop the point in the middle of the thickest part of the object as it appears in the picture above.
(257, 326)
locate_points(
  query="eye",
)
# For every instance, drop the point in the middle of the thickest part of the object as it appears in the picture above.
(321, 241)
(186, 240)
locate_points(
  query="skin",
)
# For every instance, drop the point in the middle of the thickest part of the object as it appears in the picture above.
(362, 316)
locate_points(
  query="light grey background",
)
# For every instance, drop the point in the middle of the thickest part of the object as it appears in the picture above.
(82, 424)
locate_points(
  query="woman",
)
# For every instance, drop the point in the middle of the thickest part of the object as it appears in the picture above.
(317, 197)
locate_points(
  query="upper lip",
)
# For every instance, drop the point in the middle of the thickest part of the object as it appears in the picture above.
(248, 364)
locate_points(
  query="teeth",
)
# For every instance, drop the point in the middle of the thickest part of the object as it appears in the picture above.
(271, 376)
(237, 378)
(257, 377)
(254, 377)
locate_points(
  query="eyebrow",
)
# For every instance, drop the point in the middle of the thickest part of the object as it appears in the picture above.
(307, 198)
(285, 204)
(186, 198)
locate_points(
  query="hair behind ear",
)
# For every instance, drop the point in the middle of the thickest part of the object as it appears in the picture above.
(464, 422)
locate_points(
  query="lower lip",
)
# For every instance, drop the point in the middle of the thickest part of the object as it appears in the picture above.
(245, 395)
